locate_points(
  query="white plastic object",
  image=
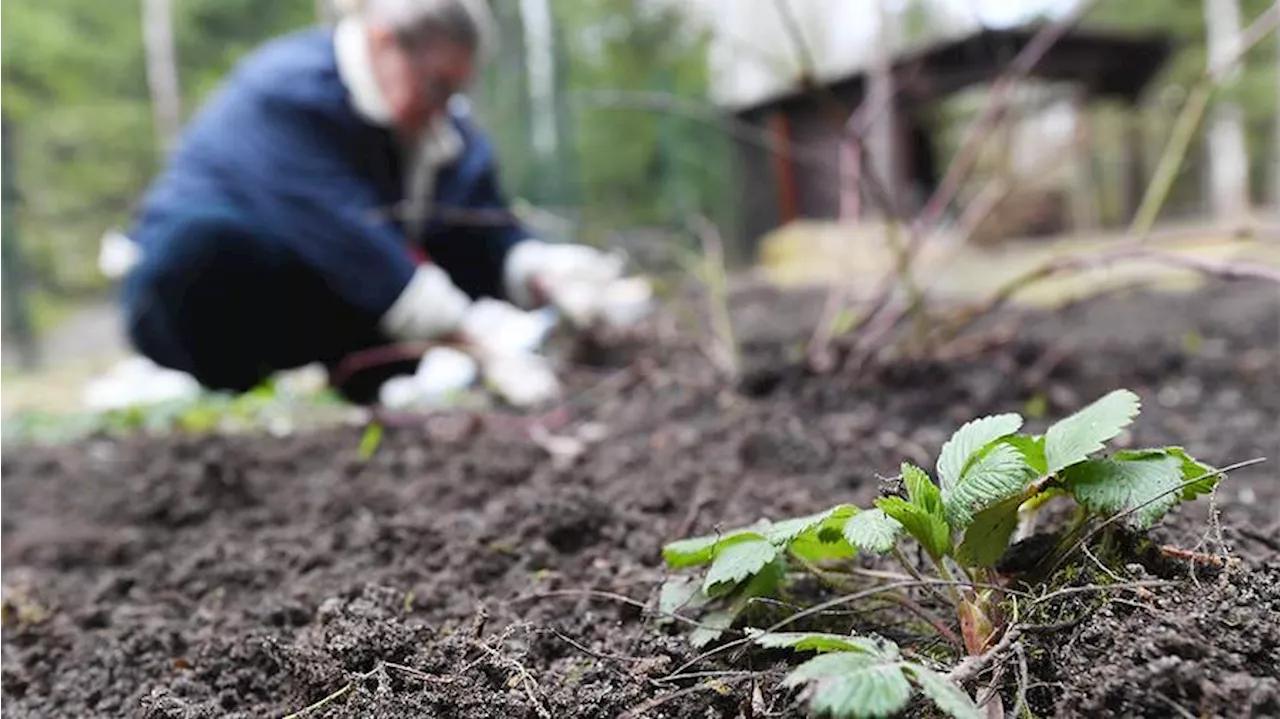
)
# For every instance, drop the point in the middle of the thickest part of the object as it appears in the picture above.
(138, 381)
(399, 392)
(522, 379)
(444, 371)
(117, 254)
(626, 302)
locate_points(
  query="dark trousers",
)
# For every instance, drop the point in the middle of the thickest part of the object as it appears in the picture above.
(230, 308)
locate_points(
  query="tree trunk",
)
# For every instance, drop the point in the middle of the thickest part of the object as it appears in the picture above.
(162, 70)
(1084, 191)
(18, 327)
(1228, 161)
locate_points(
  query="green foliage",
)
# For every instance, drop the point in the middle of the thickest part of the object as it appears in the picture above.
(1143, 486)
(1253, 88)
(74, 88)
(370, 440)
(745, 563)
(960, 450)
(929, 529)
(862, 677)
(1087, 431)
(1000, 471)
(989, 477)
(265, 408)
(872, 531)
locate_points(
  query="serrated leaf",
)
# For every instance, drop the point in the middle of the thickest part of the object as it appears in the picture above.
(1109, 487)
(736, 562)
(852, 684)
(999, 473)
(921, 490)
(680, 593)
(987, 537)
(971, 437)
(951, 699)
(711, 627)
(814, 642)
(1191, 469)
(824, 545)
(930, 530)
(785, 531)
(1032, 449)
(701, 550)
(1073, 439)
(872, 531)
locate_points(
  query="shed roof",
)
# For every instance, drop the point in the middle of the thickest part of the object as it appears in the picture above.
(1108, 63)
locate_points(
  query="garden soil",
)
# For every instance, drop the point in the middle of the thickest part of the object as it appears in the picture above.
(464, 571)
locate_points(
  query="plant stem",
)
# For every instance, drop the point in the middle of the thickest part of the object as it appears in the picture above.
(915, 574)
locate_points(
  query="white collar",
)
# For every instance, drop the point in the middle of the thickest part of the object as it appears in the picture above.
(441, 142)
(351, 45)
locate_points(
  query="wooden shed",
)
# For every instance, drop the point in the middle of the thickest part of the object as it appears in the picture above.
(789, 163)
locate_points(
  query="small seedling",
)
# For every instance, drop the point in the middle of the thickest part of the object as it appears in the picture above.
(990, 479)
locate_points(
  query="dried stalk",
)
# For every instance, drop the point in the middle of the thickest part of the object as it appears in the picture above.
(1188, 120)
(960, 167)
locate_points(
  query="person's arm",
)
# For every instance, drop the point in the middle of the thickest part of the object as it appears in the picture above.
(338, 225)
(472, 230)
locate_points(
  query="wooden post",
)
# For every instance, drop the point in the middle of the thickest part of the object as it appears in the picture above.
(17, 313)
(784, 166)
(1084, 198)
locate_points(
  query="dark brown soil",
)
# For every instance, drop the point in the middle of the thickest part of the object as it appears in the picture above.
(450, 574)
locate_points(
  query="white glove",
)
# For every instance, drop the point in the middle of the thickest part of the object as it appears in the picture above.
(430, 306)
(503, 338)
(586, 285)
(501, 327)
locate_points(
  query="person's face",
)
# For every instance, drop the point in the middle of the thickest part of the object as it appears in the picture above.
(417, 80)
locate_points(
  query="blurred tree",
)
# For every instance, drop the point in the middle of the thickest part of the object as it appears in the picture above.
(1253, 89)
(162, 70)
(1228, 160)
(637, 167)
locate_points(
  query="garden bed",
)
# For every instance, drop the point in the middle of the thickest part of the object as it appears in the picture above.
(464, 572)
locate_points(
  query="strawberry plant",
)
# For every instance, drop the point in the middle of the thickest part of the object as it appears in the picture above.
(990, 480)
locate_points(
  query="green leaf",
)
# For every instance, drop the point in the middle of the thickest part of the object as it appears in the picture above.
(1191, 469)
(930, 530)
(987, 536)
(922, 491)
(999, 473)
(973, 436)
(872, 531)
(1032, 449)
(951, 699)
(700, 550)
(370, 441)
(1109, 487)
(814, 641)
(853, 684)
(680, 593)
(823, 545)
(712, 626)
(783, 532)
(1073, 439)
(736, 562)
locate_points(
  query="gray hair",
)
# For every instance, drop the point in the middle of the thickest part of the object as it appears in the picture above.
(469, 23)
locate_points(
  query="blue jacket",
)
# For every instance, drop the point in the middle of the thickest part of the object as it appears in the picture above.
(280, 147)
